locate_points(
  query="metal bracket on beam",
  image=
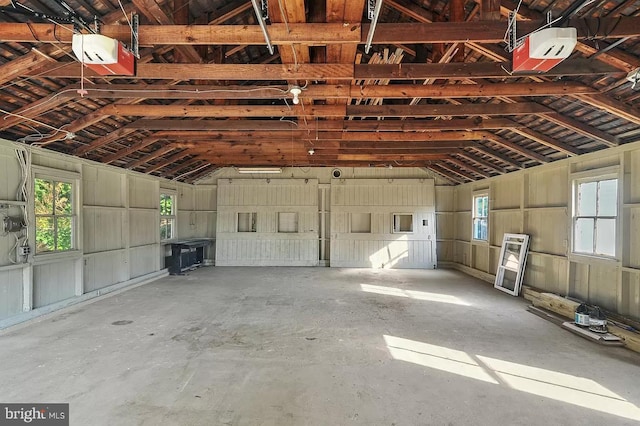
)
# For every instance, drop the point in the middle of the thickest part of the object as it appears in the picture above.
(262, 17)
(373, 12)
(135, 45)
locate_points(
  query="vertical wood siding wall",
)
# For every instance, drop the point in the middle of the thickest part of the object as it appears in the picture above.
(538, 202)
(381, 247)
(266, 246)
(118, 232)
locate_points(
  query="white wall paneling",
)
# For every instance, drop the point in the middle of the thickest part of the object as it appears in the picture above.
(382, 199)
(537, 202)
(118, 233)
(287, 228)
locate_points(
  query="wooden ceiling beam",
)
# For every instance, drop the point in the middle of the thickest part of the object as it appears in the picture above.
(348, 125)
(517, 148)
(315, 91)
(321, 72)
(317, 33)
(469, 167)
(497, 156)
(547, 141)
(148, 157)
(137, 146)
(319, 110)
(473, 158)
(612, 106)
(259, 135)
(154, 13)
(104, 140)
(457, 171)
(438, 110)
(167, 161)
(583, 129)
(490, 10)
(230, 11)
(34, 109)
(446, 174)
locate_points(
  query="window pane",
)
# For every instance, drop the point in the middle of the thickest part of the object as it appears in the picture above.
(583, 238)
(166, 205)
(481, 206)
(166, 229)
(45, 236)
(247, 222)
(511, 257)
(509, 279)
(608, 197)
(43, 196)
(606, 237)
(402, 223)
(64, 233)
(479, 229)
(587, 199)
(63, 203)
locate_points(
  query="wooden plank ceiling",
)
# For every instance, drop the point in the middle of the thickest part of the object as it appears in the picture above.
(435, 91)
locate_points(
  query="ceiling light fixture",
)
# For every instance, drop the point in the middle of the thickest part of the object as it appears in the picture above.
(312, 151)
(295, 91)
(270, 170)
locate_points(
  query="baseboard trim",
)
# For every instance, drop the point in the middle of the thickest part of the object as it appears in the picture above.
(92, 296)
(484, 276)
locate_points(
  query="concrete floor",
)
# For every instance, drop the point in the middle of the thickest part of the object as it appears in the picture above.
(316, 346)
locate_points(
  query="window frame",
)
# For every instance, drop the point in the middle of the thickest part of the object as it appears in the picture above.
(58, 176)
(351, 223)
(475, 195)
(172, 218)
(296, 222)
(598, 175)
(253, 225)
(393, 223)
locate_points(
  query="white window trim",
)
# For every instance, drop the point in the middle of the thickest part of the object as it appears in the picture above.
(474, 195)
(174, 216)
(595, 175)
(75, 179)
(393, 224)
(253, 229)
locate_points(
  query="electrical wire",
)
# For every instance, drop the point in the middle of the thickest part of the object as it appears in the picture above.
(57, 129)
(192, 171)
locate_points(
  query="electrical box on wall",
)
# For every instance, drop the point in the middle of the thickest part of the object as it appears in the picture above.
(12, 224)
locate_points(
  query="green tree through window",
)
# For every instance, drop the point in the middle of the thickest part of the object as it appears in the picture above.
(54, 215)
(167, 216)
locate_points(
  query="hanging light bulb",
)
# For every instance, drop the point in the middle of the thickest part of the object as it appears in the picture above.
(312, 151)
(295, 91)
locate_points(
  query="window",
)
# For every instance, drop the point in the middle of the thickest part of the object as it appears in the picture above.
(402, 222)
(287, 222)
(480, 216)
(595, 212)
(247, 222)
(55, 215)
(361, 223)
(167, 216)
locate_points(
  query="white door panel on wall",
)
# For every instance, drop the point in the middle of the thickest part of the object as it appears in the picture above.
(267, 222)
(383, 223)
